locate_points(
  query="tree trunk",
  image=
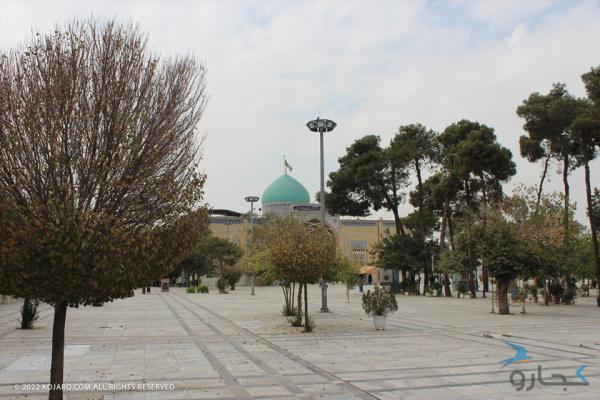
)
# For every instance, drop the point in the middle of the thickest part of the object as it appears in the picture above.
(223, 286)
(542, 179)
(348, 293)
(469, 239)
(593, 227)
(286, 296)
(502, 285)
(567, 196)
(484, 270)
(451, 230)
(398, 221)
(26, 314)
(421, 222)
(307, 327)
(299, 306)
(292, 298)
(447, 290)
(144, 290)
(443, 226)
(58, 352)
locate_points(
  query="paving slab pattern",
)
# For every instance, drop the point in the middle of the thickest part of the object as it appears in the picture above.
(237, 346)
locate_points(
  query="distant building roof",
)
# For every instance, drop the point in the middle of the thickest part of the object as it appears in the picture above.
(227, 213)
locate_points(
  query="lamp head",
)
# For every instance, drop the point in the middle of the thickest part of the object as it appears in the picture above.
(321, 125)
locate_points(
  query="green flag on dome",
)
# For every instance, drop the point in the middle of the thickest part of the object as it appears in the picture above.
(286, 165)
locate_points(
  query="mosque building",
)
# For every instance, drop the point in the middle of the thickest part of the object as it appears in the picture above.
(287, 197)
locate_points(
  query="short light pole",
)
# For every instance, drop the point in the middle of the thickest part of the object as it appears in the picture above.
(321, 126)
(251, 200)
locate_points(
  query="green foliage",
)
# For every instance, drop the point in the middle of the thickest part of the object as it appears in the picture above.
(342, 270)
(296, 319)
(232, 275)
(190, 290)
(547, 118)
(507, 255)
(461, 287)
(452, 261)
(406, 253)
(436, 287)
(300, 252)
(470, 150)
(417, 147)
(219, 253)
(258, 261)
(369, 178)
(379, 302)
(555, 288)
(202, 289)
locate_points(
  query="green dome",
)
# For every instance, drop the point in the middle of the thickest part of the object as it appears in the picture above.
(285, 189)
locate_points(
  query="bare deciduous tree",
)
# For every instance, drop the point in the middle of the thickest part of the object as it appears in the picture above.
(98, 161)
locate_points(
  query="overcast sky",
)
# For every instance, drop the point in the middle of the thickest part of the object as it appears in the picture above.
(370, 66)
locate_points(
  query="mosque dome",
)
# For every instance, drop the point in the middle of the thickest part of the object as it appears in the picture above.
(285, 189)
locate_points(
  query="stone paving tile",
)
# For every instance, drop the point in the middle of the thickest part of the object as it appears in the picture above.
(240, 347)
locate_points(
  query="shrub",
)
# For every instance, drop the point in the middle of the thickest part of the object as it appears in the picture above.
(287, 312)
(555, 288)
(29, 313)
(190, 290)
(379, 302)
(232, 276)
(296, 320)
(461, 287)
(437, 288)
(411, 288)
(202, 289)
(309, 325)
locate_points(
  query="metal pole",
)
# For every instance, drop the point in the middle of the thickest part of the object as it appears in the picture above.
(493, 296)
(253, 276)
(322, 201)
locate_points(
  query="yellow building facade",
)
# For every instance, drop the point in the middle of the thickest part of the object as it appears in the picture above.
(287, 197)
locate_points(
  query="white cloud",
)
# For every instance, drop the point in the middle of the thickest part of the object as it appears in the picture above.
(371, 66)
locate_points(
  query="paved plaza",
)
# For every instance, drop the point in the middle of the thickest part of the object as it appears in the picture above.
(237, 346)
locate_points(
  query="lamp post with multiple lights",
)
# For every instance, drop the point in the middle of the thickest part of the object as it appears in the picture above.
(321, 126)
(252, 200)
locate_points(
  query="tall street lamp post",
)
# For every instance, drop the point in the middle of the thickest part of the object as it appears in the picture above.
(321, 126)
(251, 200)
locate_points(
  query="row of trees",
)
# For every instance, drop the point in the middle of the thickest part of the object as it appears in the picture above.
(286, 251)
(467, 167)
